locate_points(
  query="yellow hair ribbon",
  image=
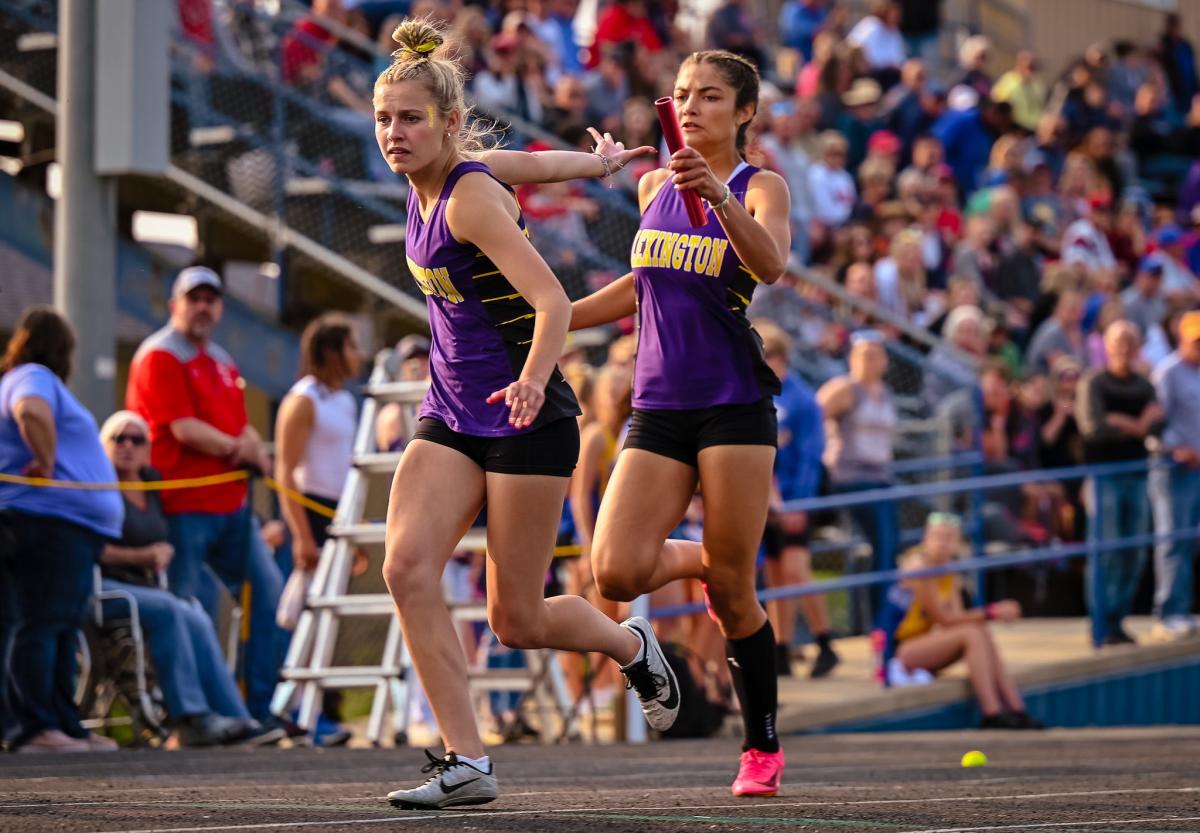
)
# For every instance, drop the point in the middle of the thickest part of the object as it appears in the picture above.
(421, 49)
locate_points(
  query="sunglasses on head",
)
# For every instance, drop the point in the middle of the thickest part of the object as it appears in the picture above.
(132, 439)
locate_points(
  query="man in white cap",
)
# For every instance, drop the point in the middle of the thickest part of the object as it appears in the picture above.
(190, 392)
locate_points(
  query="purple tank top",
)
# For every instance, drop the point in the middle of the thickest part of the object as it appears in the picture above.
(482, 327)
(696, 348)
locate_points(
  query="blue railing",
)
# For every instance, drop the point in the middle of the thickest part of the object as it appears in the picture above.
(1091, 548)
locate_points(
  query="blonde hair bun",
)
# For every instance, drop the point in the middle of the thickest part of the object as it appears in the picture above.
(419, 39)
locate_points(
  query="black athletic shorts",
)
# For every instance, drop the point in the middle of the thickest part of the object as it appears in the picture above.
(681, 435)
(552, 449)
(775, 540)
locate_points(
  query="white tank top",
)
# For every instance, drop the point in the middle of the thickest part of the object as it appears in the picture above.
(326, 462)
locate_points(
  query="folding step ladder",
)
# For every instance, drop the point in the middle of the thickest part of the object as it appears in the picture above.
(309, 668)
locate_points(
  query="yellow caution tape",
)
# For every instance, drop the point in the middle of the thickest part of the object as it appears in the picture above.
(566, 550)
(168, 485)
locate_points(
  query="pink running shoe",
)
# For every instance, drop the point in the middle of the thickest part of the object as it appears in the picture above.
(760, 774)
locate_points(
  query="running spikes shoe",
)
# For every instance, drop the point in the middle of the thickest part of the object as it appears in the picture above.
(652, 678)
(759, 774)
(454, 783)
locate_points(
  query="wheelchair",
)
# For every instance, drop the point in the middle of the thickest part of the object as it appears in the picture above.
(115, 686)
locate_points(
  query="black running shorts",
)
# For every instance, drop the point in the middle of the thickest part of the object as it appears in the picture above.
(682, 435)
(551, 450)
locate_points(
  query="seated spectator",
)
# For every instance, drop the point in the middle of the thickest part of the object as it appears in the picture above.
(608, 83)
(1178, 281)
(799, 23)
(859, 118)
(52, 537)
(1117, 410)
(961, 291)
(973, 257)
(875, 186)
(900, 277)
(1060, 335)
(973, 57)
(1126, 77)
(621, 21)
(1099, 145)
(201, 695)
(1110, 310)
(1144, 302)
(1178, 62)
(967, 134)
(734, 28)
(503, 86)
(903, 108)
(1086, 107)
(1017, 276)
(1085, 242)
(878, 35)
(926, 627)
(569, 109)
(831, 188)
(1024, 90)
(1061, 444)
(947, 369)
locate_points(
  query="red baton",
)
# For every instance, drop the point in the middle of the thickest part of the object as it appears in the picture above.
(674, 138)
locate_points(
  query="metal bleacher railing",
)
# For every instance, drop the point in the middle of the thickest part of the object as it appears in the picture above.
(984, 558)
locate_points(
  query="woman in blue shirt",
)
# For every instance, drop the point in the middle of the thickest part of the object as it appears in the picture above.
(52, 537)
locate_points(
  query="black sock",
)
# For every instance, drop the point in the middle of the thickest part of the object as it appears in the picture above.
(823, 641)
(752, 667)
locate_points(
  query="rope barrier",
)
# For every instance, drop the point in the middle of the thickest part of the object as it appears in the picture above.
(169, 485)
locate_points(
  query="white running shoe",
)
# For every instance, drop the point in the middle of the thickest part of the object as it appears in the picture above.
(454, 783)
(652, 678)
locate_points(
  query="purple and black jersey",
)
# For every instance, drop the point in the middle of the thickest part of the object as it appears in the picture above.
(696, 348)
(482, 327)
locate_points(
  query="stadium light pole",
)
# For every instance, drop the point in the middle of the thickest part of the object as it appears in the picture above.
(85, 218)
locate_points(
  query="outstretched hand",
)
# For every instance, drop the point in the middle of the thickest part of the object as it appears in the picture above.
(615, 151)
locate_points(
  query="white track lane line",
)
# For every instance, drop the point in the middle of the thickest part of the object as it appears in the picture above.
(480, 814)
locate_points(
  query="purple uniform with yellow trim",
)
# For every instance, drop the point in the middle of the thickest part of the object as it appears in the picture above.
(482, 327)
(696, 348)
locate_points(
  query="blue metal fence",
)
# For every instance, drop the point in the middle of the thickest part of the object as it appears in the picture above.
(1092, 548)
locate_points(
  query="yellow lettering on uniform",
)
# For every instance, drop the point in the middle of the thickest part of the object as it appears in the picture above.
(434, 282)
(655, 248)
(718, 257)
(651, 244)
(668, 249)
(681, 250)
(639, 248)
(442, 276)
(693, 243)
(703, 254)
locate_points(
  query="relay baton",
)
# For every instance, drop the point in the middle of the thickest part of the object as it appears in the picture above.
(674, 139)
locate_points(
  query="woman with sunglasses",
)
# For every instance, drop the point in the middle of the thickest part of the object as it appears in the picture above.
(202, 698)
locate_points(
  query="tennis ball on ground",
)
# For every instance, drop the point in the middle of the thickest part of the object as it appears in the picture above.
(974, 758)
